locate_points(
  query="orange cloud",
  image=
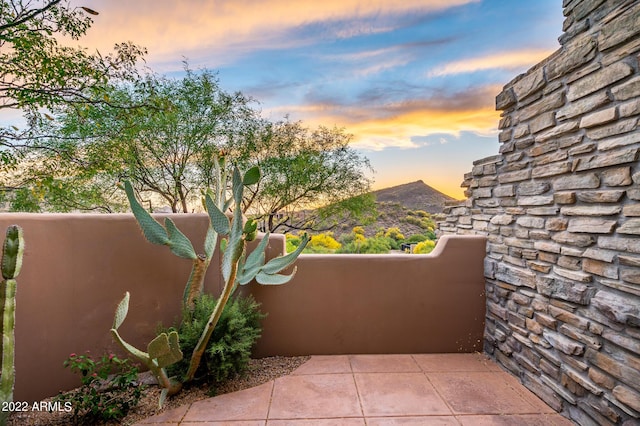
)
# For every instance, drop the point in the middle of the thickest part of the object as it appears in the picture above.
(398, 131)
(507, 60)
(169, 27)
(377, 127)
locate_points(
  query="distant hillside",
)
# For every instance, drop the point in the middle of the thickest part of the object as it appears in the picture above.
(415, 195)
(401, 207)
(396, 204)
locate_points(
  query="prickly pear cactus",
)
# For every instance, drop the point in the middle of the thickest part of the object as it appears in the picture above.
(12, 252)
(237, 269)
(162, 351)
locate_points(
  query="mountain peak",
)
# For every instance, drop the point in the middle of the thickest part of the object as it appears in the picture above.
(414, 195)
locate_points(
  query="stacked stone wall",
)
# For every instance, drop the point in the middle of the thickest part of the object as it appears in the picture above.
(560, 205)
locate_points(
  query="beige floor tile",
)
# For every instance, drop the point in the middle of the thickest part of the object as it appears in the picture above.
(325, 364)
(515, 420)
(453, 362)
(315, 396)
(398, 394)
(248, 404)
(383, 364)
(479, 393)
(344, 421)
(413, 421)
(227, 423)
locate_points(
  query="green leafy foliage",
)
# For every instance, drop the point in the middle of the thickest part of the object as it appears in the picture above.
(356, 241)
(96, 145)
(323, 243)
(40, 73)
(359, 244)
(424, 247)
(417, 238)
(229, 348)
(420, 218)
(109, 390)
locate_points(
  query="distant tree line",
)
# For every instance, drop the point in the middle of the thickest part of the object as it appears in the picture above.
(92, 121)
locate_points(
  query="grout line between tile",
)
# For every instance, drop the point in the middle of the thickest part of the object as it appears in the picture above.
(273, 388)
(355, 383)
(185, 414)
(437, 391)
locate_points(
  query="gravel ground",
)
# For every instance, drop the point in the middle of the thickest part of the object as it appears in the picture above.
(259, 371)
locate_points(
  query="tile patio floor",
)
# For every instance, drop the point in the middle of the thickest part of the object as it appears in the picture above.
(424, 389)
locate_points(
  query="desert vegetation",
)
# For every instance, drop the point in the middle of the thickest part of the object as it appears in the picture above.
(356, 242)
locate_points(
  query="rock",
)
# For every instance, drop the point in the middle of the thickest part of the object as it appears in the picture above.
(611, 158)
(582, 181)
(600, 196)
(591, 225)
(598, 118)
(620, 176)
(591, 210)
(617, 308)
(598, 80)
(563, 343)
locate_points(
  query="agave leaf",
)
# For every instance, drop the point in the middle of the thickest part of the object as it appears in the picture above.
(283, 262)
(178, 242)
(121, 311)
(274, 279)
(152, 230)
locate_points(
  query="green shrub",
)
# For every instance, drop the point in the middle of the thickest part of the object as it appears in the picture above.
(417, 238)
(229, 348)
(109, 389)
(292, 241)
(423, 222)
(322, 243)
(358, 230)
(361, 245)
(395, 237)
(394, 233)
(346, 239)
(425, 247)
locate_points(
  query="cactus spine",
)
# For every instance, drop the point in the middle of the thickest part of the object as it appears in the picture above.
(12, 252)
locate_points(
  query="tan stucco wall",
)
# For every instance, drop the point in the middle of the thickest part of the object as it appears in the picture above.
(77, 268)
(339, 304)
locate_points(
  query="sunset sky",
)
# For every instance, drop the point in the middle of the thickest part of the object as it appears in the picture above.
(413, 80)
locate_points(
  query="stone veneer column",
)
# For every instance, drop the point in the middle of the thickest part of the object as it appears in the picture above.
(560, 205)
